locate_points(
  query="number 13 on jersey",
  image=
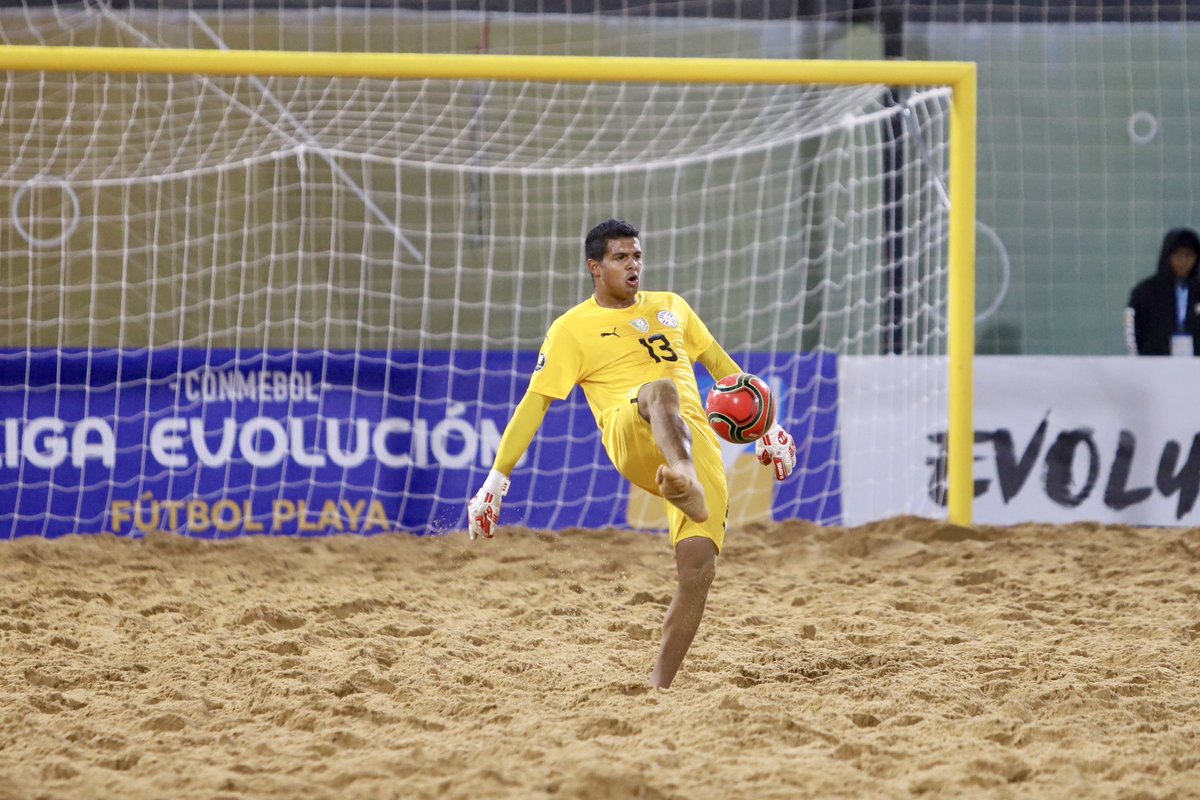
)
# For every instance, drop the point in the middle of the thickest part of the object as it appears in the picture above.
(659, 348)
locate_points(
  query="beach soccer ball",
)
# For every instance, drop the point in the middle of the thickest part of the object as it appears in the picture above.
(740, 408)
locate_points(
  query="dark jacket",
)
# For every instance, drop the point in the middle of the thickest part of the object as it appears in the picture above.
(1152, 317)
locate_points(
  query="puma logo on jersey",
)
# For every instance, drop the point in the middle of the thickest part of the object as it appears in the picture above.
(614, 333)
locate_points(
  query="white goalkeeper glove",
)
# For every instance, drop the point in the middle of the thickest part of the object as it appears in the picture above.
(483, 510)
(777, 448)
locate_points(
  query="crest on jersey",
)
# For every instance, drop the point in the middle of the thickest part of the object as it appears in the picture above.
(541, 362)
(640, 324)
(668, 319)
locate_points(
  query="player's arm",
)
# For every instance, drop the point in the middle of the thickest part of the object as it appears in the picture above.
(554, 376)
(776, 448)
(483, 511)
(718, 363)
(518, 435)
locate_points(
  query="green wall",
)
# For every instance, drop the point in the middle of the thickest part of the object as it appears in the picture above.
(1079, 205)
(1071, 209)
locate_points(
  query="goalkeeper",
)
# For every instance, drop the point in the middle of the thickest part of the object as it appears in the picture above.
(633, 352)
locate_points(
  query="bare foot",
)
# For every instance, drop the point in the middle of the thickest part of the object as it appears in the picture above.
(680, 487)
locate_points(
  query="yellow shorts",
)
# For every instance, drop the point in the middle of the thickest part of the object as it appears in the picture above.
(630, 444)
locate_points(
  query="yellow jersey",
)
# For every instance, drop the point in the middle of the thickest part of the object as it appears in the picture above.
(611, 351)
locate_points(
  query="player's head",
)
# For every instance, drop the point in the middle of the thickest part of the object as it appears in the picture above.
(596, 243)
(614, 259)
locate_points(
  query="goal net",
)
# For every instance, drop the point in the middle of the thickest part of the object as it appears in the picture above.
(308, 305)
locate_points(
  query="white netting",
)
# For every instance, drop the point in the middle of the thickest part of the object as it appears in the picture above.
(1085, 152)
(403, 246)
(158, 127)
(213, 166)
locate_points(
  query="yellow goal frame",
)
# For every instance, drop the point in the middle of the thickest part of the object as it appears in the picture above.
(959, 76)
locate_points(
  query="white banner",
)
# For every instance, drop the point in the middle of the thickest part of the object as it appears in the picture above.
(1057, 439)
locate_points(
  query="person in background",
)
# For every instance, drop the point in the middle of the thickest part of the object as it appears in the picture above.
(1162, 319)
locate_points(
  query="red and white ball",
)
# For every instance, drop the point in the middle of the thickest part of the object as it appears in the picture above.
(740, 408)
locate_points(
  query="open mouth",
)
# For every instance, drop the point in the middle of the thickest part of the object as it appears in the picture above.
(633, 280)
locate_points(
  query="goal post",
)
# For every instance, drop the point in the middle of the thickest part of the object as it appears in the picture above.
(958, 77)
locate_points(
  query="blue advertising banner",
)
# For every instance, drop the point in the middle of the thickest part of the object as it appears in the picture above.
(218, 443)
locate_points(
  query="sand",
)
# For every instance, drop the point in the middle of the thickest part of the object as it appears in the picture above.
(901, 659)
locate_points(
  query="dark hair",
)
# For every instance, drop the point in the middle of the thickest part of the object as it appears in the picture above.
(1177, 239)
(596, 243)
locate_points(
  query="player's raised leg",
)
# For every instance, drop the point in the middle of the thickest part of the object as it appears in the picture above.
(658, 403)
(696, 564)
